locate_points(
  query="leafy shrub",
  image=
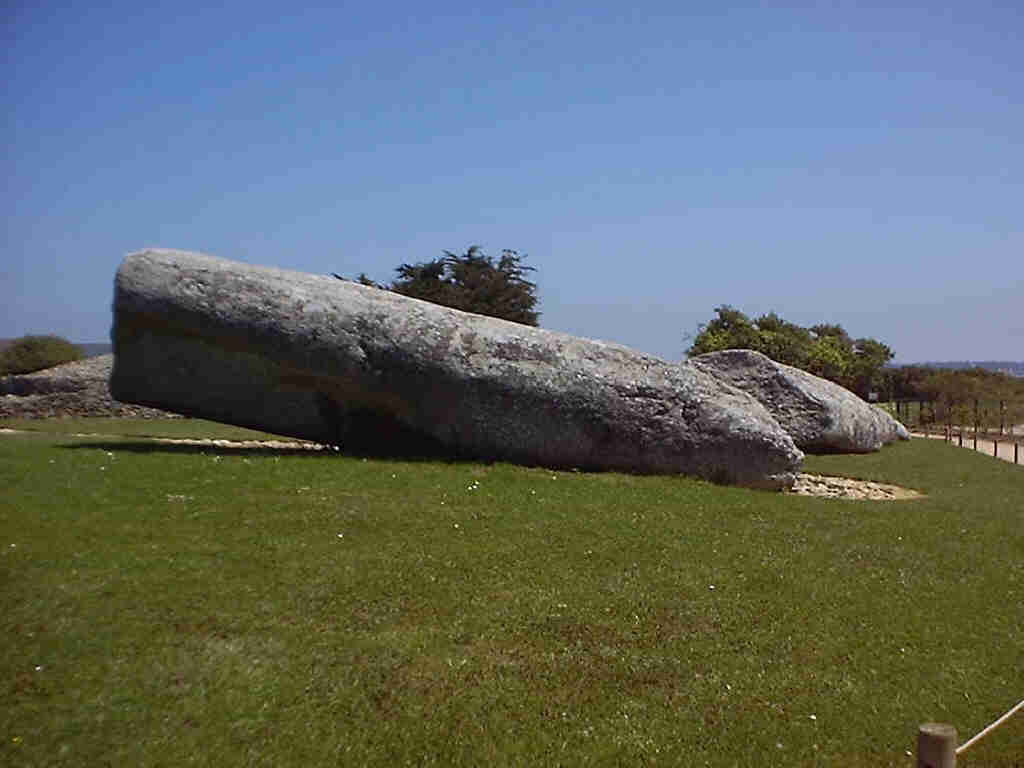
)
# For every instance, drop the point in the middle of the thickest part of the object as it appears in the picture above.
(825, 350)
(34, 353)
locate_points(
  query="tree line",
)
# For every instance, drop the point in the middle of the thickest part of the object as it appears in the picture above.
(954, 392)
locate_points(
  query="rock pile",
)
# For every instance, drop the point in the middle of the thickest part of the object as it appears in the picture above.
(75, 389)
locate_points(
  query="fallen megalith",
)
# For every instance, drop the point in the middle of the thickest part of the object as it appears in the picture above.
(820, 415)
(317, 358)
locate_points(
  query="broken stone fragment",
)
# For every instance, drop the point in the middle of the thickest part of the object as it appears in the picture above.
(820, 415)
(345, 364)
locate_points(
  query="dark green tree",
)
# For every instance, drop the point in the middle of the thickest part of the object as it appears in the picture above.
(472, 282)
(870, 357)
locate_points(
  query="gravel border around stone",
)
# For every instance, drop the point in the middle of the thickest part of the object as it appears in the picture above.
(849, 488)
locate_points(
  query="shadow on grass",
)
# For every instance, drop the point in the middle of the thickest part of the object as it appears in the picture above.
(159, 446)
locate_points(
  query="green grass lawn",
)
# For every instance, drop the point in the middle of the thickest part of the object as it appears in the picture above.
(173, 428)
(176, 605)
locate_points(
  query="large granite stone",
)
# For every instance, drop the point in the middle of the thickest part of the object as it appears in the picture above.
(820, 415)
(337, 362)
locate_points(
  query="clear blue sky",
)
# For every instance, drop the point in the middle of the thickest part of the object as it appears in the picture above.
(834, 162)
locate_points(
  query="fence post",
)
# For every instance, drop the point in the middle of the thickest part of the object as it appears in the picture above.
(936, 746)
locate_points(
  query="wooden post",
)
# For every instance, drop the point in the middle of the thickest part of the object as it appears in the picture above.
(936, 746)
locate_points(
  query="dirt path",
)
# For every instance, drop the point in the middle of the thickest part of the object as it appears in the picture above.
(1001, 449)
